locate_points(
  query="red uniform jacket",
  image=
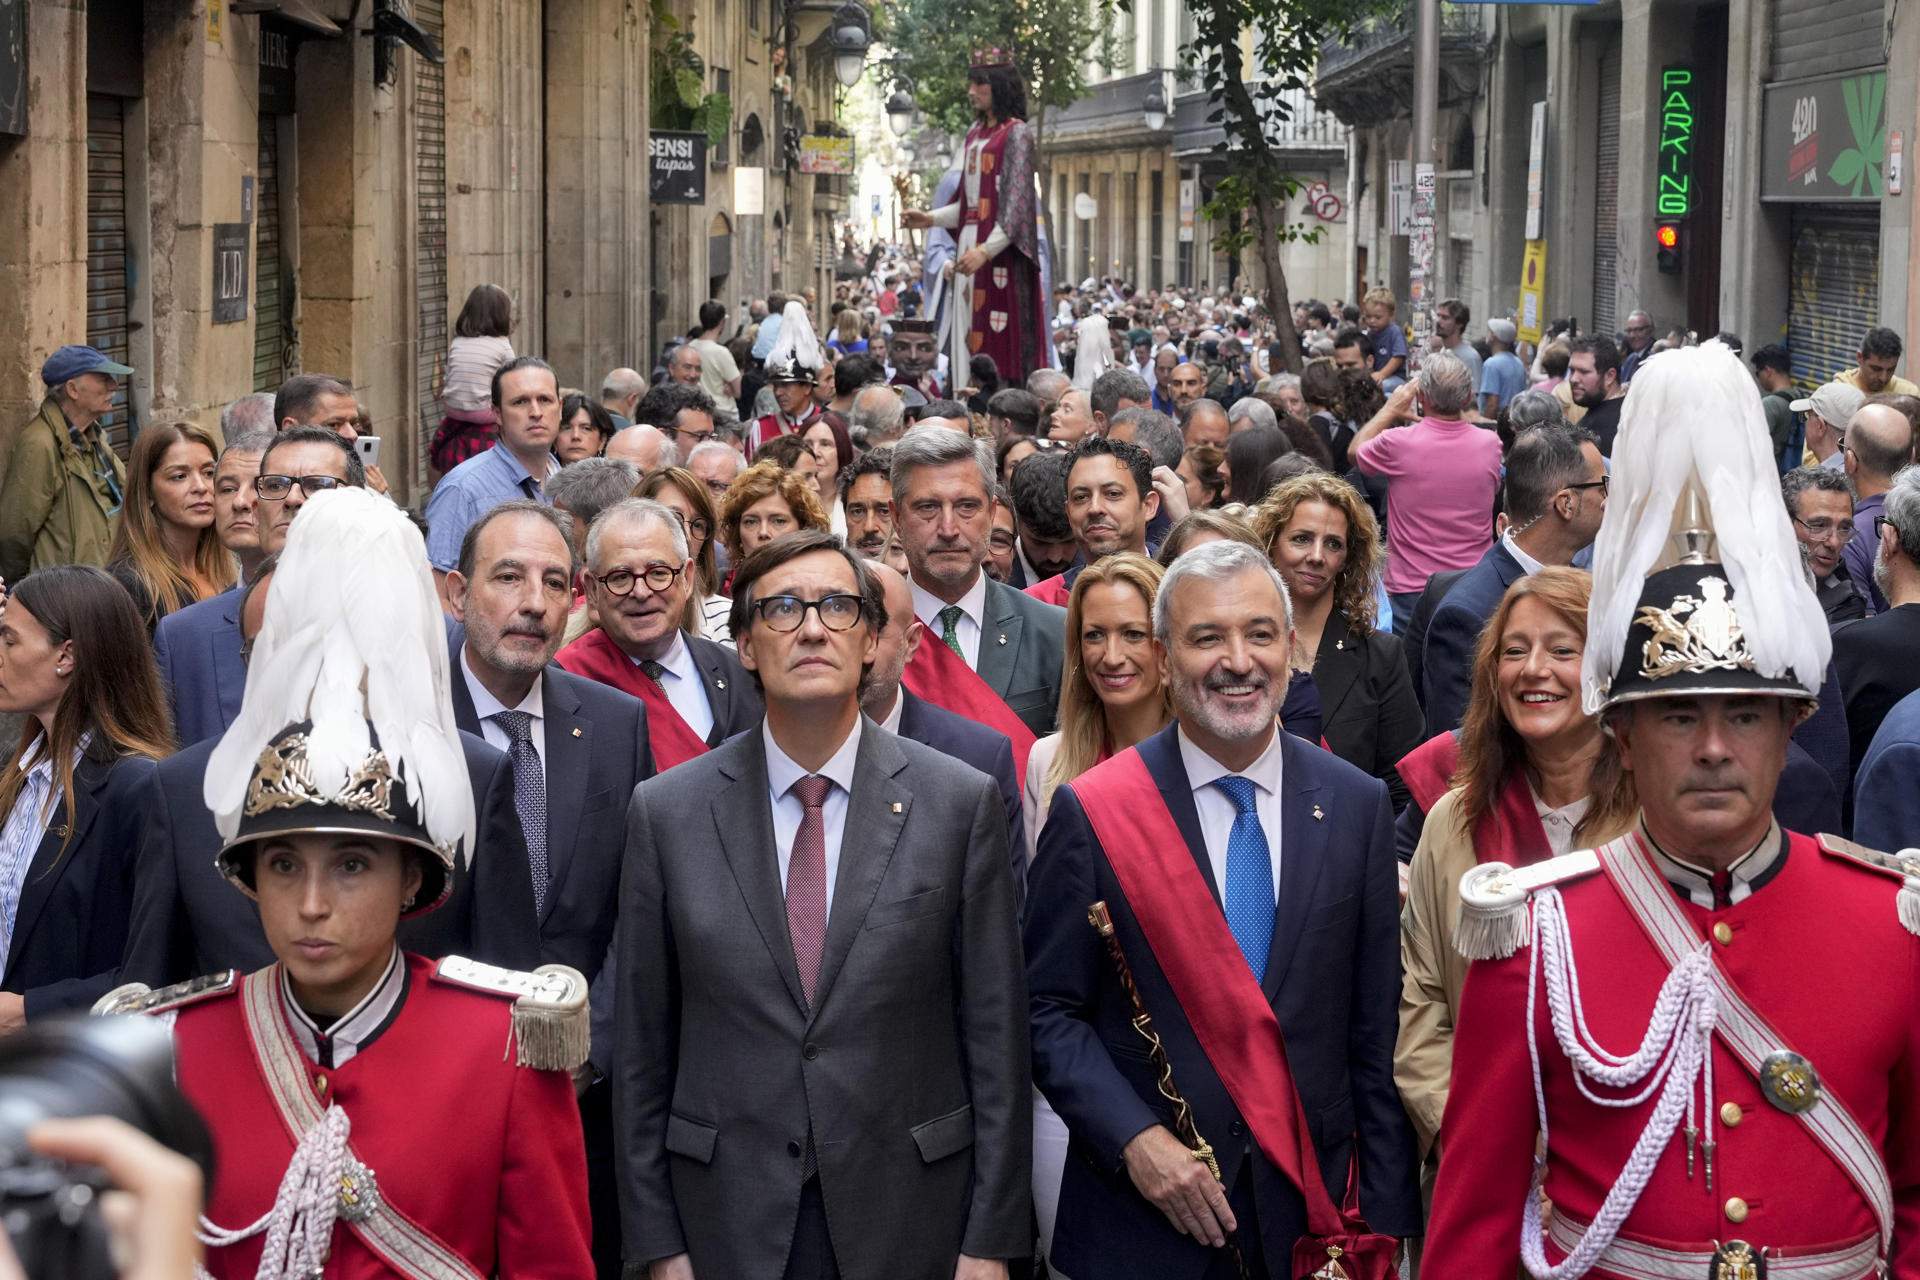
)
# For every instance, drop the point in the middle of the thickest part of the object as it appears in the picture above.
(485, 1155)
(1820, 953)
(770, 428)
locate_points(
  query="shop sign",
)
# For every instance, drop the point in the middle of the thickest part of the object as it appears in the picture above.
(821, 153)
(1674, 189)
(679, 173)
(1825, 139)
(231, 244)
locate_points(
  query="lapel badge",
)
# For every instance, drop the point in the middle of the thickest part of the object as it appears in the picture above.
(1003, 637)
(576, 733)
(1317, 814)
(720, 684)
(1789, 1081)
(896, 806)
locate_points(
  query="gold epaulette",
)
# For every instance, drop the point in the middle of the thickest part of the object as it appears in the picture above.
(551, 1029)
(1903, 866)
(137, 997)
(1493, 901)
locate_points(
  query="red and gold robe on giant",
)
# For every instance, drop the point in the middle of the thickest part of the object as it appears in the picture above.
(1001, 310)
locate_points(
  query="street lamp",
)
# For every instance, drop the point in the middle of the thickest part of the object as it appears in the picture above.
(851, 34)
(900, 111)
(1155, 109)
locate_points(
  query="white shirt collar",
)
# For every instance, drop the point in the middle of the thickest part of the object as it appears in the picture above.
(891, 721)
(678, 659)
(1203, 770)
(333, 1046)
(927, 606)
(1528, 564)
(486, 705)
(1755, 867)
(782, 772)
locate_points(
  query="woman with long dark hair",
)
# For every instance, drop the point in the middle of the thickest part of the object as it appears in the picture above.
(165, 551)
(996, 221)
(76, 663)
(478, 348)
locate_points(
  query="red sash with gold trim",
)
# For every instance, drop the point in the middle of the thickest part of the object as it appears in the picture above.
(937, 674)
(1236, 1027)
(596, 657)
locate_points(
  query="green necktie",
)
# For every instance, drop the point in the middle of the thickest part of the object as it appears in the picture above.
(949, 629)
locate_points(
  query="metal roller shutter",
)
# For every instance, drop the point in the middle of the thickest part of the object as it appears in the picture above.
(1606, 193)
(1822, 37)
(269, 313)
(430, 178)
(1833, 294)
(107, 249)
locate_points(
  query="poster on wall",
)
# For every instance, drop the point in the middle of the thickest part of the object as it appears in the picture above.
(1825, 139)
(820, 153)
(679, 173)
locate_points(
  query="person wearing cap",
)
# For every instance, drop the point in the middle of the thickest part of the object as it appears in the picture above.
(1826, 415)
(1502, 376)
(1722, 1096)
(64, 485)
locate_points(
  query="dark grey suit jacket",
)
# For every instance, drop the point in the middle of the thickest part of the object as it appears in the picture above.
(1022, 650)
(908, 1075)
(731, 692)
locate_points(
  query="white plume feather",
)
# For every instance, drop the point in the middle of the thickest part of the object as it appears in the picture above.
(796, 338)
(353, 632)
(1093, 351)
(1693, 421)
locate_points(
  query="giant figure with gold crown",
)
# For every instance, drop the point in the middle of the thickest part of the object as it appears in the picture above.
(1694, 1050)
(996, 304)
(374, 1113)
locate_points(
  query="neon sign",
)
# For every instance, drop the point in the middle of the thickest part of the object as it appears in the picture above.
(1674, 189)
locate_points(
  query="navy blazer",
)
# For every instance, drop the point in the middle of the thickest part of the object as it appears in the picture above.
(1332, 976)
(987, 750)
(596, 754)
(198, 652)
(77, 896)
(1454, 634)
(188, 920)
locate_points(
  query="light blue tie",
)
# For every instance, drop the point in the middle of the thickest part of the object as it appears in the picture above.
(1249, 892)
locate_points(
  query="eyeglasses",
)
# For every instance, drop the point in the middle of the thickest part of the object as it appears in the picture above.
(1603, 484)
(274, 488)
(696, 526)
(785, 613)
(694, 439)
(1822, 529)
(1000, 540)
(619, 582)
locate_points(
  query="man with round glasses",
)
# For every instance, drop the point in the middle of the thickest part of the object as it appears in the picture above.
(827, 910)
(640, 583)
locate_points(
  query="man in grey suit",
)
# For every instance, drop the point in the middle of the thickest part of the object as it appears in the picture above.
(821, 1016)
(943, 512)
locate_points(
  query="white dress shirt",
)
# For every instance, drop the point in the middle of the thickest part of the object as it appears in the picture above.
(486, 706)
(782, 773)
(891, 721)
(681, 680)
(1755, 867)
(973, 609)
(335, 1045)
(1217, 812)
(1528, 565)
(1559, 823)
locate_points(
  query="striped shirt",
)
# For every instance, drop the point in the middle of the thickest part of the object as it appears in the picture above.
(471, 363)
(22, 832)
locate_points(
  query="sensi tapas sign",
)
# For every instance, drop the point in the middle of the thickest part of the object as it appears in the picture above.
(679, 173)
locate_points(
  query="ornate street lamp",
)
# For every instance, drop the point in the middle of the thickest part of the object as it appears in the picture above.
(850, 35)
(1154, 108)
(900, 111)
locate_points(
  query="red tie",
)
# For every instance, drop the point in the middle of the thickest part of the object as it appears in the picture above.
(807, 882)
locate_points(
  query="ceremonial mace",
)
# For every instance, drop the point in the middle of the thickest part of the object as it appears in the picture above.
(902, 184)
(1183, 1127)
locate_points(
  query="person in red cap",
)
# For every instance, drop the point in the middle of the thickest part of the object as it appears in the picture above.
(64, 485)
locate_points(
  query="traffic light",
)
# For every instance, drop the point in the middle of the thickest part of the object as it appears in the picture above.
(1666, 236)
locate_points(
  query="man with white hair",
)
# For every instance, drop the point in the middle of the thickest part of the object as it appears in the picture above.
(647, 448)
(251, 412)
(1214, 846)
(1251, 411)
(715, 464)
(620, 391)
(877, 416)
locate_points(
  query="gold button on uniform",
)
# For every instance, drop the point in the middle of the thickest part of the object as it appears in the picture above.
(1723, 933)
(1731, 1114)
(1736, 1210)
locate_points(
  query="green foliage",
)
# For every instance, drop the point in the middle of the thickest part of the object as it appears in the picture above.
(678, 97)
(1051, 41)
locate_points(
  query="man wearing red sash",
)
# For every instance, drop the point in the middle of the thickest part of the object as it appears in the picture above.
(1003, 649)
(1731, 1091)
(1251, 881)
(1110, 502)
(640, 578)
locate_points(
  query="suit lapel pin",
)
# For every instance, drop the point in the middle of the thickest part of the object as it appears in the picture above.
(896, 806)
(1003, 637)
(719, 684)
(1317, 814)
(576, 733)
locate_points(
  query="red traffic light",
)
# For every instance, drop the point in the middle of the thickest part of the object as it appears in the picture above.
(1667, 235)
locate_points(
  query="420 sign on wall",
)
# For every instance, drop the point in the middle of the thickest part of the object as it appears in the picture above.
(1825, 139)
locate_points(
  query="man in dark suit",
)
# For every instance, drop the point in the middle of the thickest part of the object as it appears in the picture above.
(897, 710)
(188, 921)
(943, 513)
(1875, 656)
(1556, 492)
(820, 1005)
(640, 577)
(1295, 848)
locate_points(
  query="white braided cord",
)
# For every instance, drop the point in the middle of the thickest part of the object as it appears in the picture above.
(1674, 1056)
(299, 1227)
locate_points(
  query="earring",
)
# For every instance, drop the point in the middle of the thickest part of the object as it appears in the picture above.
(407, 904)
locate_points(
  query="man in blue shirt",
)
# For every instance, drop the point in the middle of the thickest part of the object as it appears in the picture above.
(526, 396)
(1502, 376)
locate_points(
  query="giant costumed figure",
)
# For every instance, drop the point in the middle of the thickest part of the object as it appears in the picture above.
(997, 302)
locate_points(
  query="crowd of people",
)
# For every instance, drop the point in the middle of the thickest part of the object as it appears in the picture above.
(744, 745)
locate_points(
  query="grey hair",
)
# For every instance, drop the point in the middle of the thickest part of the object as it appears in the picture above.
(591, 485)
(925, 446)
(637, 511)
(708, 448)
(254, 441)
(1255, 410)
(1801, 479)
(1155, 432)
(252, 412)
(1531, 409)
(1903, 510)
(1320, 348)
(876, 414)
(621, 383)
(1279, 382)
(1447, 383)
(1213, 562)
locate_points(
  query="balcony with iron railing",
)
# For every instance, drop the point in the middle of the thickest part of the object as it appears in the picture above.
(1368, 79)
(1303, 129)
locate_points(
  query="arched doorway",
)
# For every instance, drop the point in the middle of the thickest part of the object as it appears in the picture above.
(719, 256)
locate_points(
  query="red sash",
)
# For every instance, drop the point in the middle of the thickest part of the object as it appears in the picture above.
(1052, 591)
(937, 674)
(1510, 832)
(1188, 935)
(595, 656)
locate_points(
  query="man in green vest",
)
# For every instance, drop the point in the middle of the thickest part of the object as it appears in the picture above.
(64, 485)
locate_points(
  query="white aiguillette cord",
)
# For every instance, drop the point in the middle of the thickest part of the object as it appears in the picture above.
(1675, 1054)
(299, 1227)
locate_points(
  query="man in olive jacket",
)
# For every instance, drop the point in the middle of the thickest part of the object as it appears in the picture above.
(64, 485)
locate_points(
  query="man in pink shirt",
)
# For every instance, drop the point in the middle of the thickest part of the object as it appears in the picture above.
(1444, 471)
